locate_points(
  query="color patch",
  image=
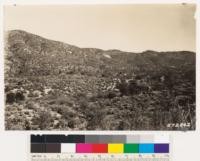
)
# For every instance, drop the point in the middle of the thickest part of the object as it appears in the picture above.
(105, 139)
(68, 148)
(118, 139)
(53, 148)
(38, 148)
(161, 139)
(115, 148)
(37, 138)
(100, 148)
(131, 148)
(147, 139)
(146, 148)
(84, 148)
(161, 148)
(133, 139)
(54, 138)
(74, 139)
(92, 139)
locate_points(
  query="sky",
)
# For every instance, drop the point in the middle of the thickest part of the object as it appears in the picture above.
(133, 27)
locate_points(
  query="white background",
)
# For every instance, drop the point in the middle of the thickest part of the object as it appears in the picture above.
(14, 145)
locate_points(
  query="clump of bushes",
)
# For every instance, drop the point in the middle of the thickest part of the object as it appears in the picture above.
(43, 120)
(14, 97)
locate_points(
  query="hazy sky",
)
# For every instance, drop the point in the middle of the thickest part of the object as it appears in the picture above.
(125, 27)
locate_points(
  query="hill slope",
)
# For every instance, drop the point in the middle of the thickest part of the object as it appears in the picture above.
(84, 88)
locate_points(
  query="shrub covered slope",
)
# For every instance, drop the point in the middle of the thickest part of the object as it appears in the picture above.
(53, 85)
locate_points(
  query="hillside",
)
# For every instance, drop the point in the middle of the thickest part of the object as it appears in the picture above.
(54, 85)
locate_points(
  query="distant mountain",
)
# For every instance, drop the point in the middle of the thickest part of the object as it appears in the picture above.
(29, 54)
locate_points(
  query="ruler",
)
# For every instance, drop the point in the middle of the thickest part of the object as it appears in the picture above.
(100, 157)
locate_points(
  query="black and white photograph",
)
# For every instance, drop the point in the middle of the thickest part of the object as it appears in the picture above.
(100, 67)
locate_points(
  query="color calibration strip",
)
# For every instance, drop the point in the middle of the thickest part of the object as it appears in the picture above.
(100, 144)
